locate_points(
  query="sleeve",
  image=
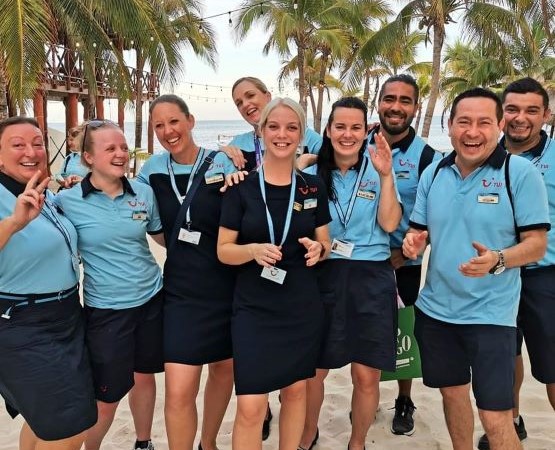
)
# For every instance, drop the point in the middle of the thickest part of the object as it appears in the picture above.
(526, 185)
(144, 174)
(63, 170)
(232, 210)
(228, 164)
(419, 218)
(323, 216)
(154, 222)
(313, 141)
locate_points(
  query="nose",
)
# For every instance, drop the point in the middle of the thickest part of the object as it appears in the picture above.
(30, 150)
(472, 129)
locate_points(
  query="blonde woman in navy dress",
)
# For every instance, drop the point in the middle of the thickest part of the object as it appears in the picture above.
(44, 368)
(122, 282)
(198, 288)
(274, 227)
(357, 282)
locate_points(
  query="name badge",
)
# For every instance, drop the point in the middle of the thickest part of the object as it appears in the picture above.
(297, 206)
(405, 175)
(192, 237)
(368, 195)
(274, 274)
(342, 248)
(216, 178)
(310, 203)
(488, 198)
(139, 215)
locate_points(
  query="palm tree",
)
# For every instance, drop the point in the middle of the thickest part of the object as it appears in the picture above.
(306, 24)
(432, 16)
(179, 21)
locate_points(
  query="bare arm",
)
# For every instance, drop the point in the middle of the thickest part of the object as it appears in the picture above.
(229, 252)
(531, 248)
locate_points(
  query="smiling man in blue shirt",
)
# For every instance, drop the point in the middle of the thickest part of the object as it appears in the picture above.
(481, 231)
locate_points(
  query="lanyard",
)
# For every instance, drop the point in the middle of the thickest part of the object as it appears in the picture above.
(257, 150)
(344, 218)
(289, 207)
(194, 169)
(52, 217)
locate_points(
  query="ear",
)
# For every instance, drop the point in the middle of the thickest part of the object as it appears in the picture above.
(89, 158)
(547, 115)
(449, 123)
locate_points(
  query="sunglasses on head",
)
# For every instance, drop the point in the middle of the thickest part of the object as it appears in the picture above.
(95, 124)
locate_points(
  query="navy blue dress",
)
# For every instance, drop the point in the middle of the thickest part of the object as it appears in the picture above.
(276, 328)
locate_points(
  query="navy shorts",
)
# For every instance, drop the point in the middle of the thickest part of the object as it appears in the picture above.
(121, 342)
(360, 306)
(408, 283)
(44, 368)
(536, 321)
(450, 353)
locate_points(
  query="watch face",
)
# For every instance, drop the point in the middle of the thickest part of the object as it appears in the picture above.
(499, 270)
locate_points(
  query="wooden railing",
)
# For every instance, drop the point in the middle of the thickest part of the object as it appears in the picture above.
(64, 72)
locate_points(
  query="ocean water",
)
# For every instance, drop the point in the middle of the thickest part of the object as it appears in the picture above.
(209, 133)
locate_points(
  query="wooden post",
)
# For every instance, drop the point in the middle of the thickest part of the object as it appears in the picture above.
(121, 114)
(100, 107)
(38, 109)
(150, 137)
(71, 111)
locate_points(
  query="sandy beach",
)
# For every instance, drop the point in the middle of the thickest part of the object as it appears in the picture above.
(431, 432)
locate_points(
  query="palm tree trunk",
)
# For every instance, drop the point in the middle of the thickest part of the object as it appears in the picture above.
(139, 99)
(546, 22)
(3, 93)
(302, 80)
(366, 92)
(321, 86)
(312, 103)
(375, 97)
(439, 37)
(418, 117)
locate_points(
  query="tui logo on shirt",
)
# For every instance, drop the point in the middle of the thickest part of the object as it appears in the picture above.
(134, 203)
(492, 182)
(407, 163)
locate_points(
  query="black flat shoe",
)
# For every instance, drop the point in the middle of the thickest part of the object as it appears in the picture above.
(266, 424)
(314, 441)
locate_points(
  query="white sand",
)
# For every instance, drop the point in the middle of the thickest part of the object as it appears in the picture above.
(431, 432)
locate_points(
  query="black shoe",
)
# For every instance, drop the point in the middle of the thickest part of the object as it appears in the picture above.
(314, 441)
(266, 424)
(403, 422)
(483, 443)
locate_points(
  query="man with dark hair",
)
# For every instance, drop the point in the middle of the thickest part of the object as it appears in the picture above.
(397, 105)
(475, 208)
(526, 110)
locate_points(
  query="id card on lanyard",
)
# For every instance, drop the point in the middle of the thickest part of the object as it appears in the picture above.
(257, 150)
(186, 234)
(343, 247)
(274, 273)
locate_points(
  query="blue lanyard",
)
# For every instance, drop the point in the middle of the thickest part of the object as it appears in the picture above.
(194, 169)
(257, 150)
(344, 218)
(289, 207)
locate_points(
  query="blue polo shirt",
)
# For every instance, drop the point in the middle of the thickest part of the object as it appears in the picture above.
(36, 259)
(543, 157)
(457, 211)
(312, 142)
(73, 166)
(119, 269)
(406, 156)
(371, 241)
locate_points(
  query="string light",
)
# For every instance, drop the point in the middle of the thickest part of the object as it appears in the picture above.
(229, 21)
(295, 4)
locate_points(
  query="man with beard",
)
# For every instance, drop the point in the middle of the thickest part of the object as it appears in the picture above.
(397, 105)
(526, 110)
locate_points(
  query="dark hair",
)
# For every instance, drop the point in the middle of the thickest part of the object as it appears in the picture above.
(17, 120)
(326, 158)
(525, 86)
(478, 92)
(402, 78)
(170, 98)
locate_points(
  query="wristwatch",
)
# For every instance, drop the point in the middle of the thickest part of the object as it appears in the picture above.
(500, 266)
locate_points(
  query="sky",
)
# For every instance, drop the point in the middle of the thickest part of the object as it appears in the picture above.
(207, 91)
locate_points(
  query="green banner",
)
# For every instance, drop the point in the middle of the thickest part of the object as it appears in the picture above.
(408, 355)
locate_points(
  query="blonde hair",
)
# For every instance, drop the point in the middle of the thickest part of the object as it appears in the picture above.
(86, 130)
(288, 103)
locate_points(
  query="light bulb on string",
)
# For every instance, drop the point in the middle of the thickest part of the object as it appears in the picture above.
(230, 21)
(151, 38)
(132, 43)
(94, 44)
(295, 4)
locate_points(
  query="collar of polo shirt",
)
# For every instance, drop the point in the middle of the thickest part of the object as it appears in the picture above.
(15, 187)
(87, 187)
(402, 145)
(534, 151)
(496, 159)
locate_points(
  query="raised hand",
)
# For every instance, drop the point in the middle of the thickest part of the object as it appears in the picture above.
(380, 155)
(29, 203)
(313, 250)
